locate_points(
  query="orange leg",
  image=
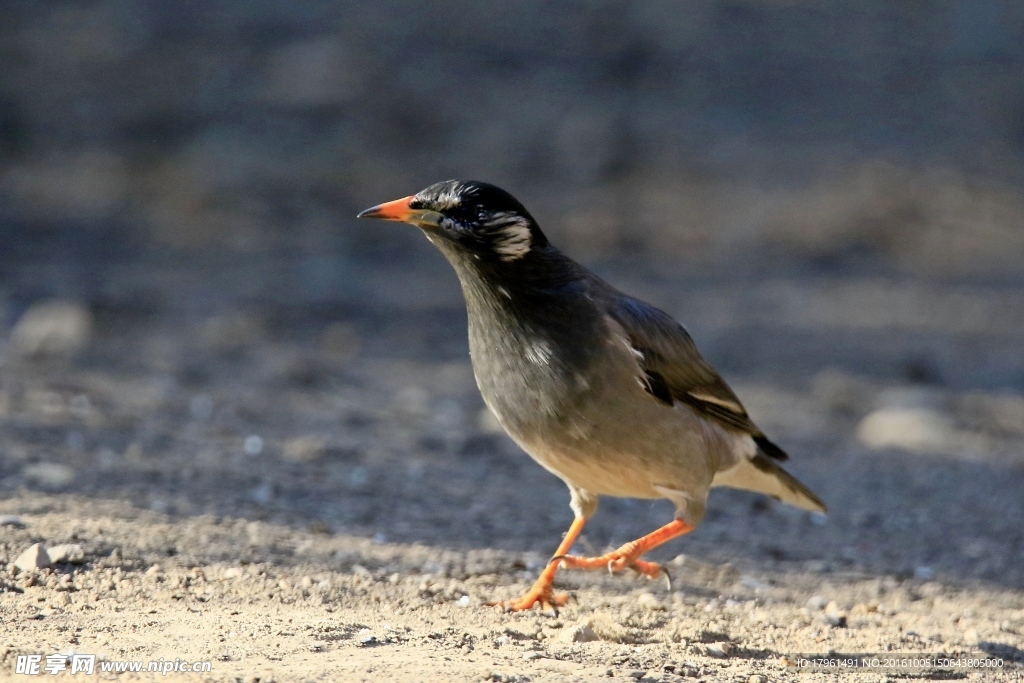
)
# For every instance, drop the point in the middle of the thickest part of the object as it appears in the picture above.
(629, 554)
(541, 591)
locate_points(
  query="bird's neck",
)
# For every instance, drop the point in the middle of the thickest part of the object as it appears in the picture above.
(529, 321)
(535, 291)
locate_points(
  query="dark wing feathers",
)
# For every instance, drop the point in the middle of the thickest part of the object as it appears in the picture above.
(674, 370)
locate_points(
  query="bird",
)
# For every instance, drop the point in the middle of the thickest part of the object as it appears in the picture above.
(605, 391)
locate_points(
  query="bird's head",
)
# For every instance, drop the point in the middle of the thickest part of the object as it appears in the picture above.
(470, 218)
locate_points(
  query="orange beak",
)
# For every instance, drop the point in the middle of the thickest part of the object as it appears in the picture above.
(397, 210)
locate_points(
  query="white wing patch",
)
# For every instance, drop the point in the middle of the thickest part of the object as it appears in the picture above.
(725, 403)
(513, 241)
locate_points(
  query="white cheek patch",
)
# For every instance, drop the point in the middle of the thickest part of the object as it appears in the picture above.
(513, 241)
(539, 353)
(448, 199)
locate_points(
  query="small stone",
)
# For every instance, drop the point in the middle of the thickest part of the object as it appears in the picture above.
(719, 650)
(532, 655)
(649, 601)
(34, 557)
(464, 601)
(835, 619)
(72, 553)
(971, 636)
(49, 475)
(754, 583)
(12, 521)
(834, 615)
(757, 678)
(582, 632)
(816, 603)
(61, 599)
(910, 428)
(229, 573)
(253, 444)
(305, 449)
(636, 673)
(52, 328)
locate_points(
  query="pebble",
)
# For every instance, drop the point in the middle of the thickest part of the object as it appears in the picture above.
(34, 557)
(305, 449)
(924, 573)
(754, 583)
(464, 601)
(757, 678)
(72, 553)
(913, 429)
(816, 602)
(582, 632)
(636, 673)
(12, 520)
(649, 601)
(49, 475)
(532, 655)
(720, 650)
(52, 328)
(253, 444)
(835, 619)
(971, 636)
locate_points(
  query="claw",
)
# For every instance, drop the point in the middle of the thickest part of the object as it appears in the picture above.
(611, 567)
(543, 596)
(668, 578)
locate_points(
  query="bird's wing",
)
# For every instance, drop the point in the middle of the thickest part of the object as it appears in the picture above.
(674, 371)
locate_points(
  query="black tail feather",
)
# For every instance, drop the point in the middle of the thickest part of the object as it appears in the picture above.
(770, 449)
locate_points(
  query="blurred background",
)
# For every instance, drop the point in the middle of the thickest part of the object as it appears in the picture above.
(828, 194)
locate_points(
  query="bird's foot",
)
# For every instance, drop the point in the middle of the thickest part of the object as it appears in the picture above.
(541, 594)
(615, 561)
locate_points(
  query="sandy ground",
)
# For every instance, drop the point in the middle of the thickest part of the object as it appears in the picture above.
(317, 495)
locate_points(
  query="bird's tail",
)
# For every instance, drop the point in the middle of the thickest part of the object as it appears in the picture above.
(762, 474)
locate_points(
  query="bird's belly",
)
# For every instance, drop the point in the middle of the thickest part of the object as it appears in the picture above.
(629, 445)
